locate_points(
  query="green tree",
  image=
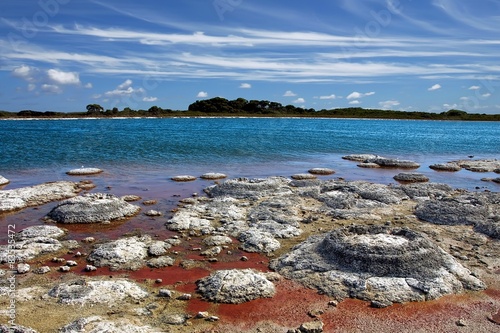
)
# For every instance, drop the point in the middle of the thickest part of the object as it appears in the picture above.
(94, 109)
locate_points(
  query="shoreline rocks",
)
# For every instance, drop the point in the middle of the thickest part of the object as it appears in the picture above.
(485, 165)
(92, 208)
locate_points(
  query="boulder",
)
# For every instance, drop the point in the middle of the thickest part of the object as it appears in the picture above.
(4, 181)
(183, 178)
(92, 208)
(36, 195)
(88, 292)
(411, 177)
(235, 286)
(213, 176)
(452, 167)
(393, 163)
(376, 263)
(125, 253)
(321, 171)
(83, 171)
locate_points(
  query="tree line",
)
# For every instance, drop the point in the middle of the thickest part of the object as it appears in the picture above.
(219, 106)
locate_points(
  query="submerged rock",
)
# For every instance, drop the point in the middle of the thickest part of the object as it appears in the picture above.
(487, 165)
(110, 292)
(36, 195)
(393, 163)
(235, 286)
(376, 263)
(92, 208)
(446, 167)
(83, 171)
(183, 178)
(360, 157)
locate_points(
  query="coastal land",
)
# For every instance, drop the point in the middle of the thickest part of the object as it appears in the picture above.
(307, 253)
(240, 107)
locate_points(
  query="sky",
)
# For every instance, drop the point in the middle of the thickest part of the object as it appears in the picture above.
(409, 55)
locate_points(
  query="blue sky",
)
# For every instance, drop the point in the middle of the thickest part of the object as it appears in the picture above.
(425, 55)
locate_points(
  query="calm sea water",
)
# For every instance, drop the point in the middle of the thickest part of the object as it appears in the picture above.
(151, 150)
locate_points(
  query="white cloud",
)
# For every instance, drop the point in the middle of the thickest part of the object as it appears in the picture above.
(450, 106)
(202, 94)
(435, 87)
(332, 96)
(388, 104)
(289, 93)
(26, 73)
(51, 88)
(299, 100)
(464, 98)
(31, 87)
(486, 95)
(150, 99)
(474, 87)
(355, 102)
(124, 89)
(61, 77)
(245, 86)
(88, 85)
(357, 95)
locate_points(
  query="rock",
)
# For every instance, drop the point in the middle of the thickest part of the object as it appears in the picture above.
(303, 176)
(376, 263)
(429, 190)
(321, 171)
(4, 181)
(41, 270)
(83, 171)
(153, 212)
(235, 286)
(131, 198)
(360, 157)
(244, 188)
(217, 240)
(212, 252)
(311, 327)
(496, 180)
(165, 293)
(92, 208)
(393, 163)
(71, 263)
(30, 248)
(64, 269)
(368, 165)
(149, 202)
(213, 176)
(90, 268)
(125, 253)
(36, 195)
(254, 240)
(4, 328)
(411, 177)
(160, 262)
(183, 178)
(189, 220)
(202, 315)
(88, 292)
(23, 268)
(173, 319)
(96, 324)
(446, 167)
(48, 231)
(158, 248)
(486, 165)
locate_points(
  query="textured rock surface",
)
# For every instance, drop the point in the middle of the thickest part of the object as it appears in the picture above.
(36, 195)
(446, 167)
(411, 177)
(92, 208)
(40, 231)
(321, 171)
(16, 329)
(125, 253)
(96, 324)
(360, 157)
(183, 178)
(376, 263)
(213, 175)
(84, 292)
(393, 163)
(303, 176)
(84, 171)
(3, 181)
(488, 165)
(235, 286)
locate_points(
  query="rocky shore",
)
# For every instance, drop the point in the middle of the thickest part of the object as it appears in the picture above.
(276, 254)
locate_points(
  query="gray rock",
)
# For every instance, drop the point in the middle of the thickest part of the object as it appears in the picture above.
(84, 171)
(4, 181)
(254, 240)
(126, 253)
(451, 167)
(212, 252)
(393, 163)
(28, 249)
(174, 319)
(131, 197)
(321, 171)
(368, 165)
(244, 188)
(376, 263)
(88, 292)
(92, 208)
(158, 248)
(486, 165)
(49, 231)
(183, 178)
(428, 190)
(36, 195)
(153, 212)
(360, 157)
(304, 176)
(213, 176)
(4, 328)
(312, 327)
(23, 268)
(411, 177)
(217, 240)
(42, 270)
(96, 324)
(235, 286)
(160, 262)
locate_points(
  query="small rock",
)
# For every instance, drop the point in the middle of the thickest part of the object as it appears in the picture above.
(411, 177)
(131, 198)
(244, 258)
(461, 322)
(184, 297)
(212, 252)
(149, 202)
(165, 293)
(64, 268)
(42, 270)
(174, 319)
(88, 240)
(158, 281)
(153, 212)
(71, 263)
(3, 181)
(315, 313)
(23, 268)
(321, 171)
(369, 165)
(303, 176)
(212, 318)
(58, 260)
(83, 171)
(213, 176)
(380, 304)
(202, 315)
(446, 167)
(183, 178)
(311, 327)
(90, 268)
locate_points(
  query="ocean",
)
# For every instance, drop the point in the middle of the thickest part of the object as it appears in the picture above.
(148, 151)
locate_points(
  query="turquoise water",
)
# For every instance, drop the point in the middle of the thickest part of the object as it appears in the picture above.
(32, 150)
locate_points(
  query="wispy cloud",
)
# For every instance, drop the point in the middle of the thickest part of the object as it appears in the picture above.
(245, 86)
(289, 93)
(388, 104)
(437, 86)
(332, 96)
(357, 95)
